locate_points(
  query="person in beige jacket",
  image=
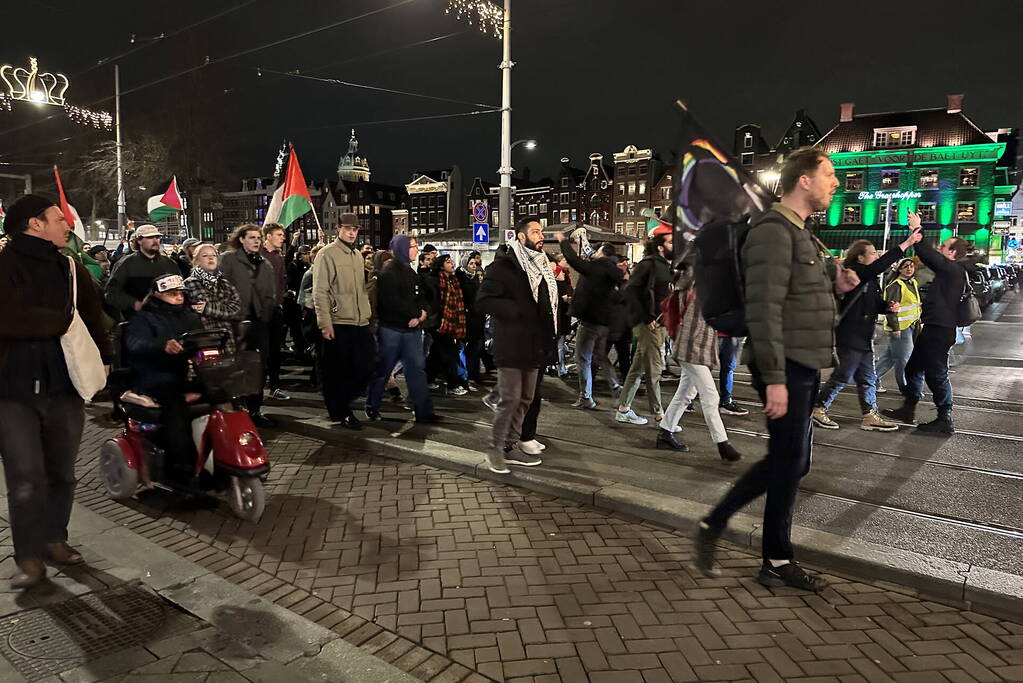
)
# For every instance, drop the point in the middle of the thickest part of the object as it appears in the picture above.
(342, 310)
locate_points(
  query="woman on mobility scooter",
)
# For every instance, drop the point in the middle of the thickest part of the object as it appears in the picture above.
(159, 369)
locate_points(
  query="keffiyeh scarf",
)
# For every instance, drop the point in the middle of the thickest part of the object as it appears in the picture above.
(538, 267)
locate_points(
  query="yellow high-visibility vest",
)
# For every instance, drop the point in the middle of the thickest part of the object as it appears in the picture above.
(909, 307)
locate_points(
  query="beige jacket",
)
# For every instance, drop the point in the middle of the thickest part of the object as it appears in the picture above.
(339, 287)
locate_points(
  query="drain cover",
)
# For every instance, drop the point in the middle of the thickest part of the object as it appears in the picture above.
(48, 640)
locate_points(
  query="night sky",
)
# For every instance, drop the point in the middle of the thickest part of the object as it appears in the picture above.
(590, 75)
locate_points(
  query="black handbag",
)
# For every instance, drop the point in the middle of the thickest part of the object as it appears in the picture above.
(968, 308)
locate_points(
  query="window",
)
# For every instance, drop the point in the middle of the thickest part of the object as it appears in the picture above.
(928, 178)
(894, 215)
(620, 171)
(563, 216)
(904, 136)
(564, 198)
(621, 188)
(631, 209)
(666, 192)
(632, 188)
(620, 208)
(564, 182)
(574, 216)
(851, 213)
(927, 212)
(969, 176)
(889, 180)
(522, 209)
(632, 170)
(573, 196)
(966, 211)
(747, 158)
(618, 227)
(854, 181)
(641, 187)
(543, 208)
(433, 217)
(532, 209)
(747, 141)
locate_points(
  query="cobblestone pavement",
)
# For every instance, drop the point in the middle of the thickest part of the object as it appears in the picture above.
(455, 579)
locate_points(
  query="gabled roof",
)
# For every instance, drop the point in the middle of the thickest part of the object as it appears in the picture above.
(935, 128)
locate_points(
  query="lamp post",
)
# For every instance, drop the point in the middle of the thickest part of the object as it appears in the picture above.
(506, 146)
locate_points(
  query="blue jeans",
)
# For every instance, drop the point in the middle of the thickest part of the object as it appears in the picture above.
(406, 347)
(929, 361)
(590, 345)
(728, 355)
(896, 356)
(852, 364)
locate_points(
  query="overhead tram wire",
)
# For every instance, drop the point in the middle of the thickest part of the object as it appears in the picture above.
(338, 81)
(351, 124)
(210, 62)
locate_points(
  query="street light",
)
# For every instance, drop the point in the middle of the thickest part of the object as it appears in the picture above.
(530, 144)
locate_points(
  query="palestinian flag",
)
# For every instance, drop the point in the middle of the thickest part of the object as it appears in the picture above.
(3, 215)
(166, 202)
(71, 216)
(291, 198)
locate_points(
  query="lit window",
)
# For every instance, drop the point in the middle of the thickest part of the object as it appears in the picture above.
(621, 188)
(631, 209)
(747, 141)
(574, 217)
(854, 181)
(851, 213)
(928, 178)
(966, 211)
(620, 208)
(618, 227)
(889, 180)
(927, 212)
(641, 188)
(563, 216)
(969, 176)
(904, 136)
(632, 188)
(543, 208)
(666, 192)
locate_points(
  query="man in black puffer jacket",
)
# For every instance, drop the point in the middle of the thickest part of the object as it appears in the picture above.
(929, 360)
(520, 293)
(592, 305)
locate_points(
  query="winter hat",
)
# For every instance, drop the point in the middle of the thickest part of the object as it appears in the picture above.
(399, 246)
(190, 242)
(19, 213)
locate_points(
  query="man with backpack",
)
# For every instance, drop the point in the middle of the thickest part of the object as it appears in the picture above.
(790, 312)
(949, 291)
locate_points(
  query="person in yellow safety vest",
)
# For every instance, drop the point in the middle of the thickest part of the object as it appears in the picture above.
(902, 324)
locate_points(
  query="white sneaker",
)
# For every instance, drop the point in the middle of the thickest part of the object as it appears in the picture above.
(458, 391)
(630, 417)
(531, 447)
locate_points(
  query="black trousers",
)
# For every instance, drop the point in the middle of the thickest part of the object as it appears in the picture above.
(293, 322)
(347, 364)
(929, 362)
(533, 414)
(275, 339)
(787, 461)
(39, 439)
(257, 339)
(444, 351)
(623, 347)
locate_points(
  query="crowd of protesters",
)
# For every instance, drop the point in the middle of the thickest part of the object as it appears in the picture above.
(359, 318)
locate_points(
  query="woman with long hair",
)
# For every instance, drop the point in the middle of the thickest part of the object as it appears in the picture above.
(451, 323)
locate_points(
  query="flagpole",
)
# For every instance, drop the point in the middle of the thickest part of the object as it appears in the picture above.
(120, 170)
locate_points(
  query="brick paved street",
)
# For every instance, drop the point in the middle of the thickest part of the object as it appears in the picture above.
(454, 579)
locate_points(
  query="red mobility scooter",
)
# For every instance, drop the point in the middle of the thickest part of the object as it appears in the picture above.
(230, 454)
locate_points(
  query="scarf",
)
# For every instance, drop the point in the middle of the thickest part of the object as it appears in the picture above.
(537, 267)
(255, 258)
(452, 319)
(205, 276)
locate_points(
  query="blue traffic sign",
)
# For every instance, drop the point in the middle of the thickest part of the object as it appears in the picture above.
(1012, 243)
(481, 233)
(480, 212)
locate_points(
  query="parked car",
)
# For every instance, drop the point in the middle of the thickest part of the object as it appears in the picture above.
(996, 280)
(1009, 275)
(981, 288)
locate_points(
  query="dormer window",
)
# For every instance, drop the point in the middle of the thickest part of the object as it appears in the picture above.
(747, 141)
(902, 136)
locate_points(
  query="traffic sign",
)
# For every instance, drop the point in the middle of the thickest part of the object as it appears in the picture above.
(480, 231)
(1013, 243)
(480, 212)
(509, 235)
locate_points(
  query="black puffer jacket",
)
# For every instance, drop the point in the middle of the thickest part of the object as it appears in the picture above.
(861, 306)
(132, 278)
(523, 328)
(154, 371)
(940, 305)
(649, 285)
(591, 302)
(790, 304)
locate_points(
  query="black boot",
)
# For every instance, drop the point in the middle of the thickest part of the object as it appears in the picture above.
(666, 441)
(942, 426)
(906, 414)
(728, 453)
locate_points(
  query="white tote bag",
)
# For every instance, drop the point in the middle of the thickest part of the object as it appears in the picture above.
(84, 364)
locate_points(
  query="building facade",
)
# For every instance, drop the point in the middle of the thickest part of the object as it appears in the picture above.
(764, 161)
(565, 195)
(936, 162)
(436, 201)
(636, 172)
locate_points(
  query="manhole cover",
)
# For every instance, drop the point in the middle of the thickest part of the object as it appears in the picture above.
(48, 640)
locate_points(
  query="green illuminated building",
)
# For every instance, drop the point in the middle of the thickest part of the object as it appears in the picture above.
(936, 162)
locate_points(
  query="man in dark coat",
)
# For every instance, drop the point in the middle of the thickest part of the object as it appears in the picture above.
(592, 305)
(132, 275)
(41, 412)
(521, 295)
(929, 360)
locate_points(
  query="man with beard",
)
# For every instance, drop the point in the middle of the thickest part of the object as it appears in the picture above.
(133, 275)
(790, 311)
(521, 295)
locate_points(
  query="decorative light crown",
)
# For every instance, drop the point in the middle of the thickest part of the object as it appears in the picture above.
(484, 14)
(31, 86)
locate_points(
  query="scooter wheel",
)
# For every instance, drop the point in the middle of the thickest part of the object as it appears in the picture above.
(246, 497)
(120, 480)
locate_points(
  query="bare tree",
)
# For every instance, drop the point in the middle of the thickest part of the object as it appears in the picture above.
(145, 159)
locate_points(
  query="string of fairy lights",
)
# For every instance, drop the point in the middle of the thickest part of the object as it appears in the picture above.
(45, 88)
(484, 14)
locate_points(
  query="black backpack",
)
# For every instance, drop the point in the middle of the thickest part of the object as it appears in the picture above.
(720, 286)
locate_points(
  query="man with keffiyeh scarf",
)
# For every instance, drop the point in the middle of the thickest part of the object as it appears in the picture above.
(520, 293)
